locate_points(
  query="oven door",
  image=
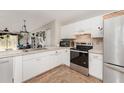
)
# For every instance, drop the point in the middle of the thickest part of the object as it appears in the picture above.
(79, 58)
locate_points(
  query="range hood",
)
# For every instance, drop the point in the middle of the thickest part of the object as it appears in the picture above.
(82, 33)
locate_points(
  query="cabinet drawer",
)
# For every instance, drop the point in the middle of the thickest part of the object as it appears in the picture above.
(96, 56)
(37, 55)
(31, 68)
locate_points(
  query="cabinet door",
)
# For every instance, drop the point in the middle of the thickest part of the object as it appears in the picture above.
(17, 69)
(32, 67)
(6, 70)
(55, 59)
(45, 63)
(68, 31)
(96, 65)
(65, 57)
(97, 22)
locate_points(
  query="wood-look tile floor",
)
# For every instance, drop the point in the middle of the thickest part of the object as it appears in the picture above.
(63, 74)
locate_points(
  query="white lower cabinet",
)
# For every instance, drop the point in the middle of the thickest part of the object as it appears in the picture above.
(6, 70)
(34, 65)
(17, 69)
(21, 68)
(53, 59)
(65, 57)
(96, 65)
(30, 68)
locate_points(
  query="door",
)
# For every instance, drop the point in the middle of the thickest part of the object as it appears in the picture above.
(6, 70)
(113, 74)
(114, 40)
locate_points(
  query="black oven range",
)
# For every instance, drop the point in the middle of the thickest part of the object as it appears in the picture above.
(79, 57)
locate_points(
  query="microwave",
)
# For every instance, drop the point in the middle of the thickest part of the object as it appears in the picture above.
(66, 43)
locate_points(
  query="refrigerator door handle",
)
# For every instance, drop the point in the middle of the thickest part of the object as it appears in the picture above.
(117, 68)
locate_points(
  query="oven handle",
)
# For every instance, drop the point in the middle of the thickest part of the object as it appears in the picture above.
(79, 51)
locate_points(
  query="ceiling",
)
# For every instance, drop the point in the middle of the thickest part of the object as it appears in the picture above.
(69, 16)
(14, 18)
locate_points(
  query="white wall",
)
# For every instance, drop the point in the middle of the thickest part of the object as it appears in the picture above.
(53, 29)
(13, 20)
(88, 25)
(55, 32)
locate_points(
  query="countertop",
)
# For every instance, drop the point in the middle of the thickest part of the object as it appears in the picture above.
(12, 53)
(96, 50)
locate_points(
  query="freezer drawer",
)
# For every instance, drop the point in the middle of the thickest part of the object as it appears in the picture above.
(113, 74)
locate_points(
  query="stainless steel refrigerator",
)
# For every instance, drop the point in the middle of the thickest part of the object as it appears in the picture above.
(114, 50)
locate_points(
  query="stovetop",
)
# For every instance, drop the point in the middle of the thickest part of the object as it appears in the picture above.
(82, 48)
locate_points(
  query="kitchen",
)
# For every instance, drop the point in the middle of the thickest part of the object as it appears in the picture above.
(36, 48)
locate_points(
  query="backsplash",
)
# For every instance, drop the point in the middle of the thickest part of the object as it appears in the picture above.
(97, 42)
(84, 38)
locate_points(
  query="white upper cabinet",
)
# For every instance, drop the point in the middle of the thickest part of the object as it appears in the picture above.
(68, 31)
(89, 25)
(96, 23)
